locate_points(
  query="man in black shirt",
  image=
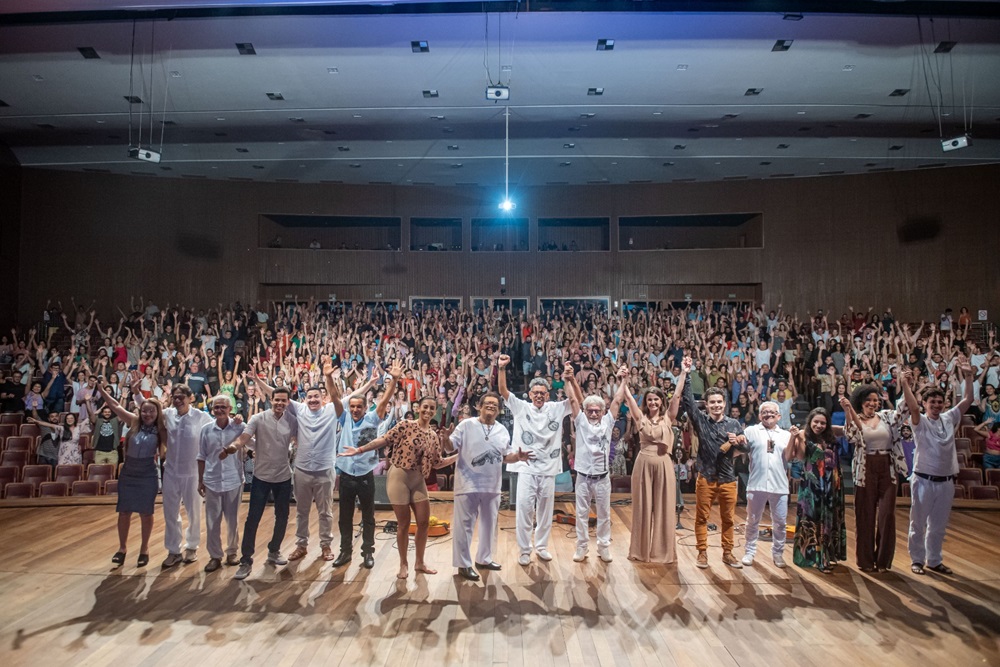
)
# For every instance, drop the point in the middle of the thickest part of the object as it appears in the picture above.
(719, 439)
(12, 394)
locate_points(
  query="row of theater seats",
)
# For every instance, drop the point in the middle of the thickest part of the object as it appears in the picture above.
(37, 480)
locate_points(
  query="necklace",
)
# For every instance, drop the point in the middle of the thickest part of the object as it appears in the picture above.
(487, 431)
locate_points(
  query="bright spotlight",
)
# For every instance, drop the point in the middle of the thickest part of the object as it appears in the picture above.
(507, 205)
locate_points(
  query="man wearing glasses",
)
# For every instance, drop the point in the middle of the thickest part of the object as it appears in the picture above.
(769, 448)
(220, 483)
(538, 431)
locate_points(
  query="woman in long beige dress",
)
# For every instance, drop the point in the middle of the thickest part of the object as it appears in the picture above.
(654, 486)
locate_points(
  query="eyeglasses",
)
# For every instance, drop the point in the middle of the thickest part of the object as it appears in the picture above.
(220, 407)
(769, 414)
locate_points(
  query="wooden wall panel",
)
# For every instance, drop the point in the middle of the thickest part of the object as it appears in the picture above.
(828, 242)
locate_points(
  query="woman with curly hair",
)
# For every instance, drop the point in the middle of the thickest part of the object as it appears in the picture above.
(820, 530)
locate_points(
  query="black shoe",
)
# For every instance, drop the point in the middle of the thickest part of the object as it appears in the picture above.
(369, 562)
(342, 559)
(142, 561)
(488, 566)
(468, 573)
(118, 558)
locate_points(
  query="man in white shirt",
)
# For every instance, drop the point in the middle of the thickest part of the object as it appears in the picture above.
(935, 466)
(180, 477)
(483, 445)
(537, 429)
(769, 451)
(269, 436)
(220, 483)
(316, 429)
(594, 424)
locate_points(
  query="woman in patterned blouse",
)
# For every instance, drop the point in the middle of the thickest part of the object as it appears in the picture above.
(414, 450)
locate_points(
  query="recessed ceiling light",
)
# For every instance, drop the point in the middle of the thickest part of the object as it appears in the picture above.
(764, 164)
(457, 165)
(587, 115)
(565, 164)
(453, 147)
(899, 92)
(754, 91)
(38, 77)
(343, 149)
(679, 147)
(945, 47)
(100, 122)
(420, 46)
(258, 166)
(245, 49)
(220, 118)
(275, 97)
(730, 116)
(896, 147)
(242, 150)
(329, 132)
(782, 146)
(668, 164)
(297, 119)
(862, 116)
(569, 145)
(133, 99)
(657, 113)
(595, 91)
(355, 165)
(430, 93)
(332, 70)
(682, 68)
(848, 68)
(605, 44)
(88, 52)
(801, 113)
(174, 74)
(436, 117)
(167, 168)
(782, 45)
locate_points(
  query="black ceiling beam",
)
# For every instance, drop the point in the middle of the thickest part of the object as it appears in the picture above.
(942, 8)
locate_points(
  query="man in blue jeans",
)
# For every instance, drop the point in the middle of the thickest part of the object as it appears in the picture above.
(268, 435)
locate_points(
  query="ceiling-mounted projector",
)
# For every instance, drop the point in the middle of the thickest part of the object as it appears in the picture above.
(497, 93)
(956, 143)
(143, 154)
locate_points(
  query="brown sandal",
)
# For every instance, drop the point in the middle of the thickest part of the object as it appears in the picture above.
(298, 554)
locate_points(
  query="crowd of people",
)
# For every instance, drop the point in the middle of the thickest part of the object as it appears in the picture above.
(346, 382)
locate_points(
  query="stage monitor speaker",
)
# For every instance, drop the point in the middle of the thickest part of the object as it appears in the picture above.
(915, 230)
(381, 495)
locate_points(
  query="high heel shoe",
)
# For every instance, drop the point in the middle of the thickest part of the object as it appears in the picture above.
(118, 558)
(143, 560)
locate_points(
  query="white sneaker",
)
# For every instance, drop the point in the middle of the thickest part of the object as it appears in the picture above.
(275, 558)
(779, 561)
(580, 555)
(243, 572)
(604, 553)
(524, 559)
(544, 554)
(748, 560)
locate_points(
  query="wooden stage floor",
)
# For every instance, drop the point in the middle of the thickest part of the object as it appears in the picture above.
(64, 604)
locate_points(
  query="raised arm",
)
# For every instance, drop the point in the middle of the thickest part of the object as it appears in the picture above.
(619, 396)
(395, 371)
(127, 417)
(331, 378)
(502, 362)
(967, 373)
(845, 403)
(573, 391)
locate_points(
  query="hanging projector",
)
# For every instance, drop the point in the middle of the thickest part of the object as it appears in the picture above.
(956, 143)
(497, 93)
(143, 154)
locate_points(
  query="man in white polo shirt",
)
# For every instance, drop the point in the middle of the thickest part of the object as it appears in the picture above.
(594, 424)
(483, 446)
(935, 467)
(316, 429)
(269, 436)
(220, 483)
(768, 447)
(537, 429)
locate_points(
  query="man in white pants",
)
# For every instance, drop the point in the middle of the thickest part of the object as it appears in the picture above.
(537, 429)
(220, 483)
(316, 428)
(768, 447)
(180, 477)
(935, 466)
(483, 445)
(594, 424)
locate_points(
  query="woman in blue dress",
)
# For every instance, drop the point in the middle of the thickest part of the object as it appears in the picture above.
(138, 483)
